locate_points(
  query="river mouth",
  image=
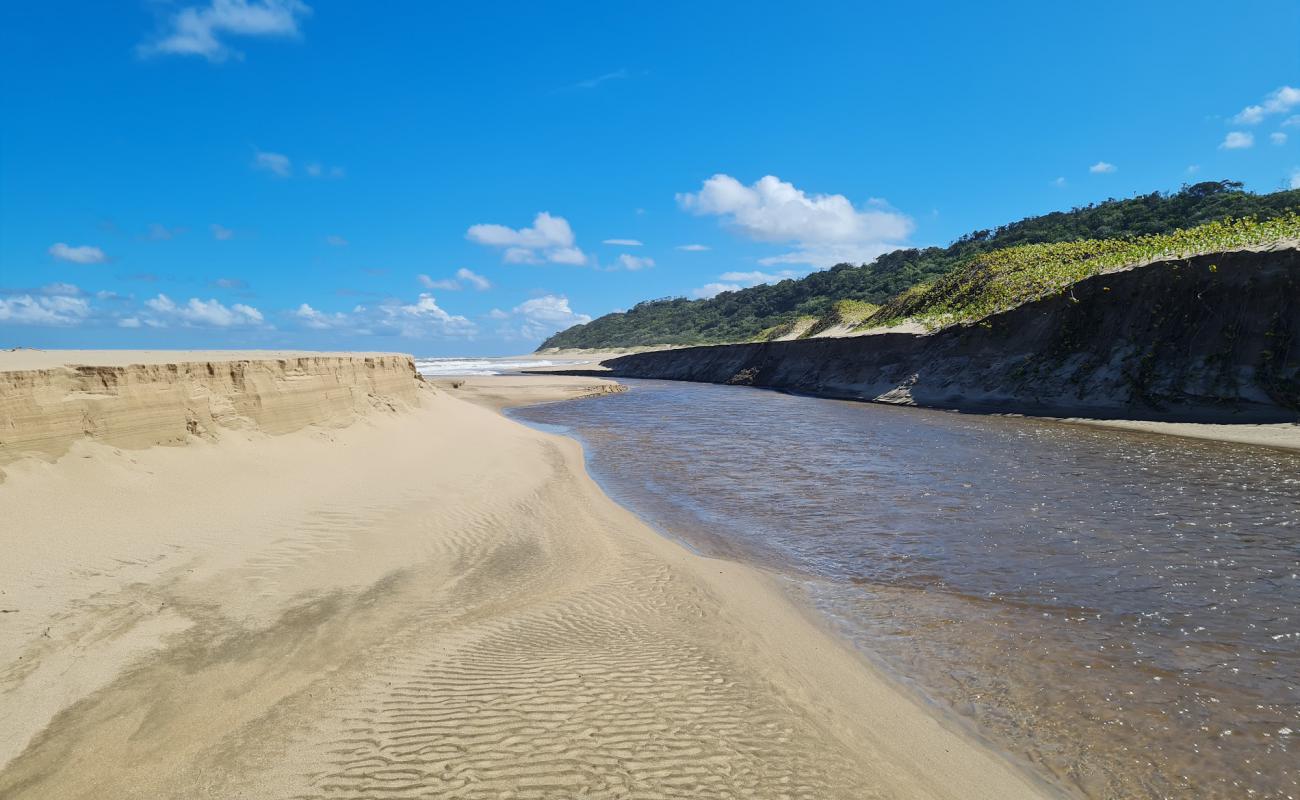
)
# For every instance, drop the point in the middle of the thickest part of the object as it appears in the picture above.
(1122, 609)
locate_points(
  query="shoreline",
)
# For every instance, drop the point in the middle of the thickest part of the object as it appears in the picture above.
(231, 641)
(1276, 435)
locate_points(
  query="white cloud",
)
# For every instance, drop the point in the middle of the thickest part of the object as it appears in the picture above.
(473, 279)
(50, 309)
(711, 289)
(277, 164)
(464, 277)
(447, 284)
(1279, 101)
(128, 322)
(538, 317)
(1278, 138)
(81, 254)
(422, 318)
(1292, 121)
(1059, 182)
(1295, 178)
(334, 240)
(201, 313)
(1102, 168)
(319, 320)
(1192, 169)
(230, 283)
(826, 228)
(63, 289)
(1238, 140)
(198, 30)
(694, 248)
(549, 239)
(634, 263)
(221, 233)
(623, 242)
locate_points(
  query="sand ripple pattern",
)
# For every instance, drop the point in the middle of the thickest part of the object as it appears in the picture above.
(595, 693)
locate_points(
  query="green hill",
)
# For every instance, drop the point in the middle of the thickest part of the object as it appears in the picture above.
(755, 312)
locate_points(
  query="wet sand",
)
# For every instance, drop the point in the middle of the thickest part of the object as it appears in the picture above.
(430, 601)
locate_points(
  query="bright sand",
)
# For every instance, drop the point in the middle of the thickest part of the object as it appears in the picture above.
(432, 601)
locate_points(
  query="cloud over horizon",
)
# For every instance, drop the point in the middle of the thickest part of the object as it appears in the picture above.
(549, 239)
(825, 228)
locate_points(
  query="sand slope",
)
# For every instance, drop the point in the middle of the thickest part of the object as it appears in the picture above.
(435, 603)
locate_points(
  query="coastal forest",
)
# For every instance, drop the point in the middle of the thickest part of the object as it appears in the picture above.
(848, 294)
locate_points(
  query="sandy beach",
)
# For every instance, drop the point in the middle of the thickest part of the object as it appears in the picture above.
(423, 599)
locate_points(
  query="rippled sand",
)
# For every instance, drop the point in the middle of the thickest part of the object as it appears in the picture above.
(435, 603)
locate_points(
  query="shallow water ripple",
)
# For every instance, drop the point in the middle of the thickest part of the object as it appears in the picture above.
(1121, 608)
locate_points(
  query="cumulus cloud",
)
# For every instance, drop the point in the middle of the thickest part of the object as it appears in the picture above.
(1278, 138)
(200, 30)
(549, 239)
(693, 248)
(81, 254)
(1102, 168)
(633, 263)
(422, 319)
(1279, 101)
(221, 233)
(623, 242)
(464, 277)
(538, 317)
(1291, 121)
(826, 228)
(55, 308)
(1059, 182)
(277, 164)
(319, 320)
(1238, 140)
(201, 314)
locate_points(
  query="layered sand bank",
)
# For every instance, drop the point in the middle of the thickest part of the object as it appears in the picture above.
(429, 602)
(51, 399)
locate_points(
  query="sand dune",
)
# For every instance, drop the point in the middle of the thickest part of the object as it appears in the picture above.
(432, 603)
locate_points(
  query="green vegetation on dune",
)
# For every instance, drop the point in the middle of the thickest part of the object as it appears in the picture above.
(1000, 280)
(750, 313)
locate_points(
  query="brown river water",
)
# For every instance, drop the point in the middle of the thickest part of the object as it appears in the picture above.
(1120, 609)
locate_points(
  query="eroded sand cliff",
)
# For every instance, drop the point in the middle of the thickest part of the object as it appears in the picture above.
(144, 403)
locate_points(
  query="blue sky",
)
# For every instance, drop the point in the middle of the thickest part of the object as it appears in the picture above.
(446, 179)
